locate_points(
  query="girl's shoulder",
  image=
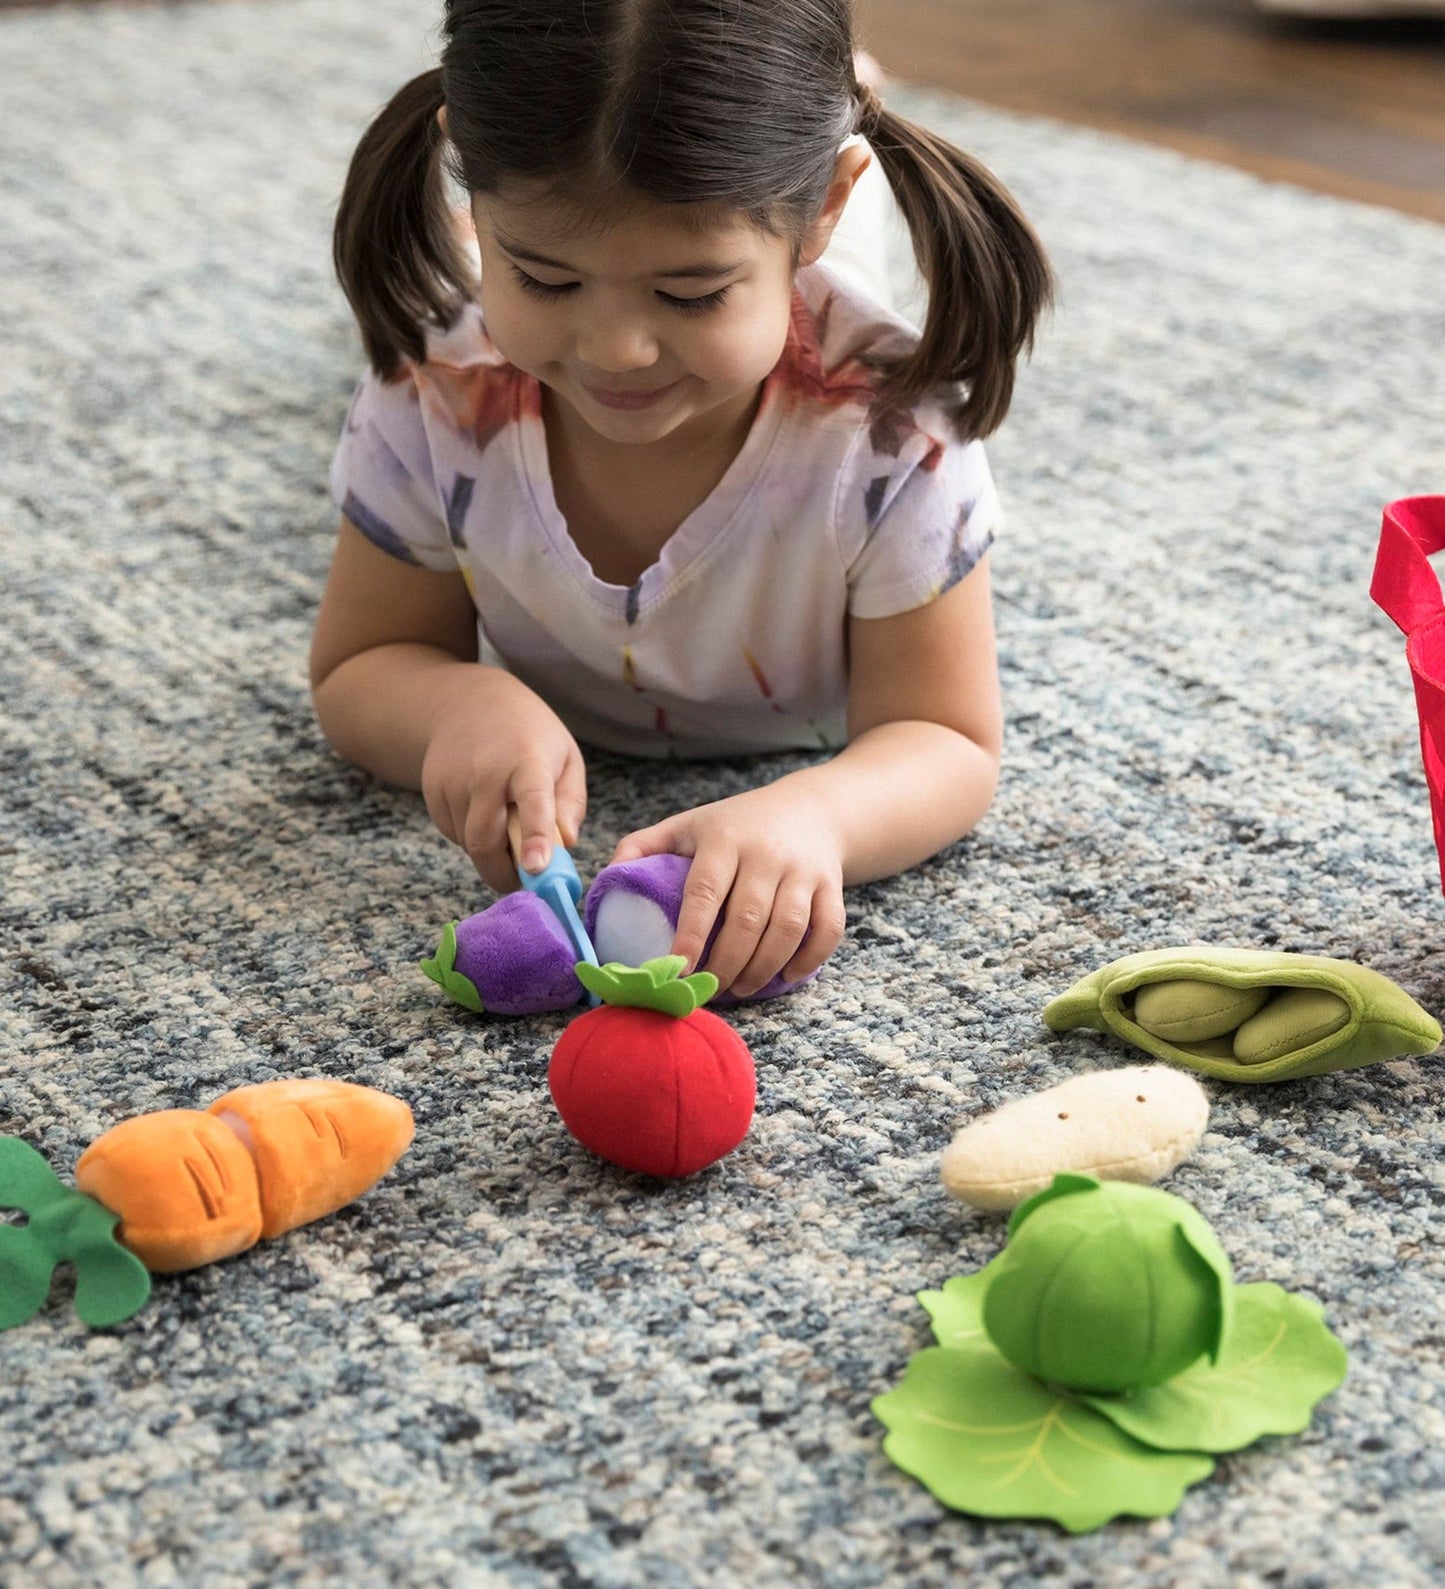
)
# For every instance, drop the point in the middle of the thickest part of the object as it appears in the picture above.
(463, 344)
(834, 363)
(848, 325)
(464, 383)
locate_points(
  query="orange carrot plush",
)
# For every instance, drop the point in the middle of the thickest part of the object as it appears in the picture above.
(185, 1187)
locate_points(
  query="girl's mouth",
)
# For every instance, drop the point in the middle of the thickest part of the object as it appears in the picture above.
(625, 399)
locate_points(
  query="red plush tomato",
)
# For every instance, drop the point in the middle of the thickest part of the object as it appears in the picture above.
(665, 1089)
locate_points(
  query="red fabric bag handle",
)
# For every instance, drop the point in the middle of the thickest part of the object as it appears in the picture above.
(1404, 583)
(1406, 586)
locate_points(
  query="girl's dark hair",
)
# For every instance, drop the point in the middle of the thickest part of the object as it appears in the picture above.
(728, 110)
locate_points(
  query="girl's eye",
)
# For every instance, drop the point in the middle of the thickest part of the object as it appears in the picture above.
(541, 289)
(696, 305)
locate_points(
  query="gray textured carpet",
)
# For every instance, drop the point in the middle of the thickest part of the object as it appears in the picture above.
(510, 1365)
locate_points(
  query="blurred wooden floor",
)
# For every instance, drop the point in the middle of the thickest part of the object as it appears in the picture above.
(1355, 109)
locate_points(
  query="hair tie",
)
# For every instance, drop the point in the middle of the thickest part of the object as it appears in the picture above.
(870, 108)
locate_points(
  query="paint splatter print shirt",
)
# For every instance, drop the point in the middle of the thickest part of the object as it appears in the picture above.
(732, 642)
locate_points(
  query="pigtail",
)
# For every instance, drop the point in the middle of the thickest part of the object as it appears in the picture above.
(989, 280)
(397, 252)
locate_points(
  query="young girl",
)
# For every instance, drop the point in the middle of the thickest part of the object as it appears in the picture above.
(639, 466)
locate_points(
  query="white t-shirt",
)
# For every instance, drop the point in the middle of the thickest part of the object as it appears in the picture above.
(732, 642)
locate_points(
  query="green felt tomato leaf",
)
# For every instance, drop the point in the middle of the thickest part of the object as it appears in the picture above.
(654, 985)
(988, 1439)
(1277, 1361)
(441, 969)
(957, 1310)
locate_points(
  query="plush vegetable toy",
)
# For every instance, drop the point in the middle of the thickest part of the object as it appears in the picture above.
(1248, 1014)
(1098, 1363)
(631, 913)
(650, 1080)
(1133, 1124)
(515, 958)
(184, 1187)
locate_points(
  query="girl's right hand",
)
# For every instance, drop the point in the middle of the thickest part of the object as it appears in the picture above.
(493, 750)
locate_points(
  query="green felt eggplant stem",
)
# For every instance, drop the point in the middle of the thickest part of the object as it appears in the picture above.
(441, 968)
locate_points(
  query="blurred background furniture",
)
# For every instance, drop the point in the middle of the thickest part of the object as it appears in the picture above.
(1351, 107)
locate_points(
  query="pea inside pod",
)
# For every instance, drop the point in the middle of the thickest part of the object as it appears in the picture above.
(1290, 1020)
(1293, 1015)
(1253, 1025)
(1187, 1011)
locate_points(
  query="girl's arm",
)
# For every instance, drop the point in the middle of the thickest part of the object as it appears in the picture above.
(391, 641)
(398, 690)
(925, 730)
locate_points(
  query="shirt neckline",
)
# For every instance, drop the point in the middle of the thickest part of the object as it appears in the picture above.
(708, 523)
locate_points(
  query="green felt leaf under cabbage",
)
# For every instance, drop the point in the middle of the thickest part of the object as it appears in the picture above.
(989, 1439)
(957, 1310)
(1277, 1361)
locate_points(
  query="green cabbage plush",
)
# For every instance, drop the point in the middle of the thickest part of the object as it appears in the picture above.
(1097, 1364)
(1125, 1287)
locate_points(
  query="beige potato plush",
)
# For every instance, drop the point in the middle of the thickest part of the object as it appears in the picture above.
(1134, 1124)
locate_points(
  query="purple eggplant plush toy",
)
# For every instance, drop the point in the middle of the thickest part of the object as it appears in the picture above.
(513, 958)
(631, 915)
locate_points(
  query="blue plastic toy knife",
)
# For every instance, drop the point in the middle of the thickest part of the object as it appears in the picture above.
(559, 887)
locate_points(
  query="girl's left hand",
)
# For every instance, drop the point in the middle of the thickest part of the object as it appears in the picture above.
(772, 858)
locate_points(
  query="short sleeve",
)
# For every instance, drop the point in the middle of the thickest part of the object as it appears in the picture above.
(382, 477)
(911, 526)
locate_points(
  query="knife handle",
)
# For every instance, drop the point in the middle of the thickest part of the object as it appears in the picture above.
(559, 865)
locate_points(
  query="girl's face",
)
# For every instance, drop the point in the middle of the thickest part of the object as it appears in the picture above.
(644, 330)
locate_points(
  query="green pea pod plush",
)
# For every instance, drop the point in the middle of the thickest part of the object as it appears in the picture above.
(1248, 1014)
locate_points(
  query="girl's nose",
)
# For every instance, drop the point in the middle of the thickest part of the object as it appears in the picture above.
(614, 345)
